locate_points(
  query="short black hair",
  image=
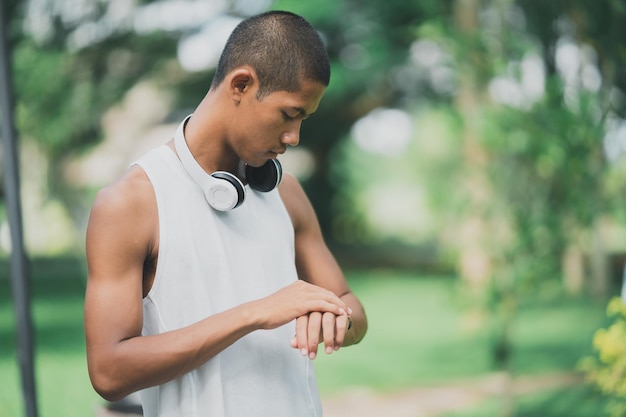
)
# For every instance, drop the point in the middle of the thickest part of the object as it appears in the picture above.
(282, 47)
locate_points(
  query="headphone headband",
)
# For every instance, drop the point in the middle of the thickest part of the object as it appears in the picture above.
(223, 190)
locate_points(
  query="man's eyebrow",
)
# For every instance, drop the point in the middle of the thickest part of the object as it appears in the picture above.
(303, 112)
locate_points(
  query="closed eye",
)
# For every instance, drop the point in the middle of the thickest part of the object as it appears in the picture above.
(287, 117)
(300, 113)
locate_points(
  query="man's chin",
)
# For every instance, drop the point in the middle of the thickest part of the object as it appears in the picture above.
(256, 163)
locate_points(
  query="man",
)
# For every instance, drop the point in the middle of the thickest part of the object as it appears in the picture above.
(215, 307)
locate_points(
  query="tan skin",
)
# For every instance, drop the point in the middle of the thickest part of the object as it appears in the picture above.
(123, 242)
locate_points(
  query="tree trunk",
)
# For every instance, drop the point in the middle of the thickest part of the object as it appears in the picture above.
(475, 266)
(476, 240)
(599, 262)
(573, 265)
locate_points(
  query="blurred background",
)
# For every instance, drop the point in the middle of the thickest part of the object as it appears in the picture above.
(466, 164)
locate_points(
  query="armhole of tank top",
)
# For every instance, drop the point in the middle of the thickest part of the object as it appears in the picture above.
(284, 210)
(164, 152)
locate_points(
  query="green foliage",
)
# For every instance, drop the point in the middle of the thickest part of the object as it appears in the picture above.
(62, 95)
(384, 197)
(547, 170)
(607, 368)
(51, 108)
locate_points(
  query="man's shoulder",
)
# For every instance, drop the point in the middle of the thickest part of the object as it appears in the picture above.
(291, 192)
(123, 218)
(129, 193)
(288, 184)
(296, 201)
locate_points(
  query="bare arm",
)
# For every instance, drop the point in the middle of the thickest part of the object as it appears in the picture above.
(122, 234)
(317, 265)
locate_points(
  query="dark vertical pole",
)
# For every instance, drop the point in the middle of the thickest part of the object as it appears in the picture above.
(19, 264)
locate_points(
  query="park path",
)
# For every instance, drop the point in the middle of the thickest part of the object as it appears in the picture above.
(434, 400)
(431, 400)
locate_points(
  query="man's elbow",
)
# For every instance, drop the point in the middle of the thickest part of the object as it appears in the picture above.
(108, 386)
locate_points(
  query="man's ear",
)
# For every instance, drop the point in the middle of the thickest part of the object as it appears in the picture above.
(241, 81)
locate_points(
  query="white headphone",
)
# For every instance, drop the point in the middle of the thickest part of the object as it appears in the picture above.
(223, 190)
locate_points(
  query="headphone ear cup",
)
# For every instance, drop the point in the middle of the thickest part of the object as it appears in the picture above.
(226, 193)
(266, 177)
(222, 190)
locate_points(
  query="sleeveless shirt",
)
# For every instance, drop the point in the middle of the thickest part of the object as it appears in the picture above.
(208, 262)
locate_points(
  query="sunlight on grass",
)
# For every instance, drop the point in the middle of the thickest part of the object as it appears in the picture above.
(579, 401)
(415, 336)
(63, 386)
(418, 334)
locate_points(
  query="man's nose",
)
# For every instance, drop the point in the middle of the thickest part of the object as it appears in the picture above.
(292, 136)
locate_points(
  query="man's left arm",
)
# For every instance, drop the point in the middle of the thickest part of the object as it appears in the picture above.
(316, 264)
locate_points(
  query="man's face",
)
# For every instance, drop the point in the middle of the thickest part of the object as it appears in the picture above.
(265, 128)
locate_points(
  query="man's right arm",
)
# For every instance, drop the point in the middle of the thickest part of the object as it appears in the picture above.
(122, 233)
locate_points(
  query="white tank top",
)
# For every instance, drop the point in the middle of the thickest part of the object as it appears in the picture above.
(208, 262)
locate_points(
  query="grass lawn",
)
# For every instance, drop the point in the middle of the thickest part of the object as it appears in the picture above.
(418, 334)
(581, 401)
(62, 381)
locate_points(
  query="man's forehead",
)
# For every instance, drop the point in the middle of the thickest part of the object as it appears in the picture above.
(306, 99)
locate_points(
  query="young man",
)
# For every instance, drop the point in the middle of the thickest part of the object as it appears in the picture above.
(212, 310)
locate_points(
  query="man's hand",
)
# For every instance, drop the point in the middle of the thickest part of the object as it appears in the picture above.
(315, 328)
(297, 300)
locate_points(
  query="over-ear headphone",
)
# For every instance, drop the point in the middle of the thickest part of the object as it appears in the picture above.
(223, 190)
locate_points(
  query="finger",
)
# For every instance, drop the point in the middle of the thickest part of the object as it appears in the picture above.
(328, 332)
(329, 307)
(313, 334)
(324, 300)
(301, 335)
(341, 324)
